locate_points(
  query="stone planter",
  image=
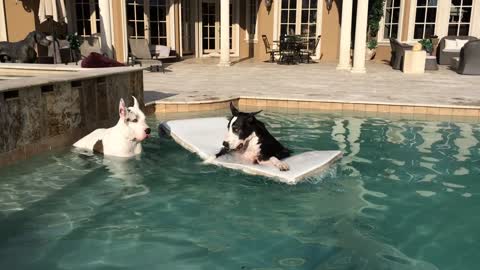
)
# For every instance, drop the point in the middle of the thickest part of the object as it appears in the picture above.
(370, 54)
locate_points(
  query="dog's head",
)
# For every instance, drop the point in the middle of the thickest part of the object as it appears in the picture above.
(40, 38)
(240, 127)
(134, 121)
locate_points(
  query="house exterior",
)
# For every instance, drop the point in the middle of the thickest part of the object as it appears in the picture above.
(193, 27)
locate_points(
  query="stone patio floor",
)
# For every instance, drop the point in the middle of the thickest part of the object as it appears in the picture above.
(199, 80)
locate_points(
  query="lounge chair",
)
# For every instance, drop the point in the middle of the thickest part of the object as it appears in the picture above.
(140, 54)
(398, 53)
(269, 49)
(444, 56)
(468, 63)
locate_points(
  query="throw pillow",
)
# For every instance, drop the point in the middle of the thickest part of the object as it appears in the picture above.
(461, 43)
(450, 44)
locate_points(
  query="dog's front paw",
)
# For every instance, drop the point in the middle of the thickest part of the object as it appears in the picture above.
(282, 166)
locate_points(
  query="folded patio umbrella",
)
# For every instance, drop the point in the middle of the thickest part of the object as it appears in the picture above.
(54, 9)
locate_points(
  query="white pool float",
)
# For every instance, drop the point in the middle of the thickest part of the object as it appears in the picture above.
(204, 136)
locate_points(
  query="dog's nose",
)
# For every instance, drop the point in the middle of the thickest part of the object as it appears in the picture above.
(225, 144)
(148, 130)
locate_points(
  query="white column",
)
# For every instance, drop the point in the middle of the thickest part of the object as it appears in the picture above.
(106, 26)
(224, 33)
(3, 25)
(360, 37)
(345, 35)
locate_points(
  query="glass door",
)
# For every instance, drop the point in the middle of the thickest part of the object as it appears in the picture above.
(210, 14)
(299, 18)
(210, 26)
(188, 27)
(148, 19)
(158, 22)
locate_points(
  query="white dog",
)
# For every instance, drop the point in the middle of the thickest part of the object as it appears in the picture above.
(122, 140)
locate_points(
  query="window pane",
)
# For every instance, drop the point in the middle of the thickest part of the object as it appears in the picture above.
(466, 14)
(313, 30)
(284, 16)
(418, 31)
(429, 30)
(456, 2)
(291, 29)
(140, 29)
(293, 4)
(304, 29)
(420, 16)
(139, 12)
(388, 15)
(394, 31)
(396, 15)
(154, 41)
(313, 16)
(293, 14)
(154, 30)
(163, 41)
(211, 31)
(389, 3)
(452, 29)
(205, 44)
(283, 30)
(313, 4)
(431, 15)
(284, 3)
(464, 29)
(386, 31)
(153, 14)
(304, 16)
(467, 2)
(211, 43)
(421, 3)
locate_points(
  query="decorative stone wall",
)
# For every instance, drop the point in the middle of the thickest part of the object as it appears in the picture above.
(41, 118)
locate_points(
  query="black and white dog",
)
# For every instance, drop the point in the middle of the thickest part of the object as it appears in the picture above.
(250, 138)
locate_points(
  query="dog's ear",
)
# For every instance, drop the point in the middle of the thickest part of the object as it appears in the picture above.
(234, 110)
(122, 110)
(255, 113)
(135, 103)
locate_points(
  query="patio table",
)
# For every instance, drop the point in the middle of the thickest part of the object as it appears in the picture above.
(290, 47)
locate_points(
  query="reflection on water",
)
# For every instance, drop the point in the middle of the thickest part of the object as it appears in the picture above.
(402, 197)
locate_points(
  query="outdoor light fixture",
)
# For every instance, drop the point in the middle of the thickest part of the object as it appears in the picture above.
(268, 4)
(329, 5)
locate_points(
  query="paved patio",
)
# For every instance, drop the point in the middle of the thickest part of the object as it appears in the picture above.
(195, 80)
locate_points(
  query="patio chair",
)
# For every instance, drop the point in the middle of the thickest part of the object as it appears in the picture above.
(269, 49)
(308, 52)
(445, 55)
(468, 63)
(398, 53)
(140, 54)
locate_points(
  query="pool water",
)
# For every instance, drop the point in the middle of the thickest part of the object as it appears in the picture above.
(404, 196)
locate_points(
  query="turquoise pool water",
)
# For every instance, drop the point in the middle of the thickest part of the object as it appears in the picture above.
(405, 196)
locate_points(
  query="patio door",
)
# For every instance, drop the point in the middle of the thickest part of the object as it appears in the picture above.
(188, 8)
(148, 19)
(210, 30)
(300, 17)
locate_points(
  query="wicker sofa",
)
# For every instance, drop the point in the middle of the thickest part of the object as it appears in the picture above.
(444, 57)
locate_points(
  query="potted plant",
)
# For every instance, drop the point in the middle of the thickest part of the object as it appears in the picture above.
(74, 43)
(427, 45)
(371, 49)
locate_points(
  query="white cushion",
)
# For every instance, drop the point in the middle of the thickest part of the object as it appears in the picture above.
(461, 43)
(450, 44)
(451, 50)
(160, 50)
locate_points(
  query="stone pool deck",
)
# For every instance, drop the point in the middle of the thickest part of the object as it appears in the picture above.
(201, 81)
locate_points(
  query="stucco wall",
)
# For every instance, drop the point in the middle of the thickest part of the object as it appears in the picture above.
(20, 18)
(330, 32)
(265, 27)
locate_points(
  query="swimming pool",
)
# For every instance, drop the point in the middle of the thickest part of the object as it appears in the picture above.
(404, 196)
